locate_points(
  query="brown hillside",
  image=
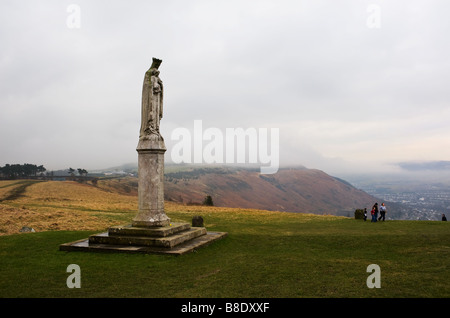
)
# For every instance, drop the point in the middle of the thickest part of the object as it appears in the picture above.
(292, 190)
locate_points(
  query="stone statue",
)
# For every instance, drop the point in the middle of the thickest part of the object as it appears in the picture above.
(151, 151)
(152, 103)
(151, 230)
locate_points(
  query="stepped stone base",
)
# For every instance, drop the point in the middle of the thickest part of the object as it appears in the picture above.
(176, 239)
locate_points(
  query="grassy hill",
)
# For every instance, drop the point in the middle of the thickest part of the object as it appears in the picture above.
(266, 254)
(290, 189)
(293, 190)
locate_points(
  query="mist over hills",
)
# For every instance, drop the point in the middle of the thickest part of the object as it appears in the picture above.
(290, 189)
(416, 191)
(414, 194)
(441, 165)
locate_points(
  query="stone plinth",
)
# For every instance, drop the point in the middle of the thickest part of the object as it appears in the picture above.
(175, 239)
(168, 242)
(151, 183)
(128, 230)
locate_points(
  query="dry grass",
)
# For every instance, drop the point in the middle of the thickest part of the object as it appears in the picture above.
(263, 216)
(76, 195)
(56, 205)
(12, 219)
(7, 186)
(68, 205)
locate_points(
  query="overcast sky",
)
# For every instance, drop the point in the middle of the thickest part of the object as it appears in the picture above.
(350, 84)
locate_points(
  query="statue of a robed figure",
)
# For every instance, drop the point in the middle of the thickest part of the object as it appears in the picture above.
(151, 151)
(150, 231)
(152, 103)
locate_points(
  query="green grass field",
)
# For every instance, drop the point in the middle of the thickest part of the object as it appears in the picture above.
(266, 255)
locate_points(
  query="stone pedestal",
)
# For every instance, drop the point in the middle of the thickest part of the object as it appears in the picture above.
(151, 230)
(174, 239)
(151, 184)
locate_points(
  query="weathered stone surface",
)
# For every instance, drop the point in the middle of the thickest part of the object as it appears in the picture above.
(151, 189)
(151, 151)
(152, 102)
(129, 230)
(197, 221)
(167, 242)
(183, 248)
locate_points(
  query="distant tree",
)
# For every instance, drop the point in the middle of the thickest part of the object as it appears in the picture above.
(41, 169)
(5, 171)
(82, 172)
(208, 201)
(72, 171)
(21, 171)
(28, 170)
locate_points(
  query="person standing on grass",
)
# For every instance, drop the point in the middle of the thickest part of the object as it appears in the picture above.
(444, 218)
(382, 212)
(374, 212)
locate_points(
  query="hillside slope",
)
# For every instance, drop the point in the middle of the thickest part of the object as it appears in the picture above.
(292, 190)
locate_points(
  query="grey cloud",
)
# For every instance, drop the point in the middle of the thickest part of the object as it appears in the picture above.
(231, 64)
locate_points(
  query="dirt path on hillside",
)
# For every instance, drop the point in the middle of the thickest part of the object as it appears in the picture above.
(14, 215)
(17, 192)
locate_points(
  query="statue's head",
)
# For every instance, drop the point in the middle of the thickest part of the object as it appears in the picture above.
(154, 72)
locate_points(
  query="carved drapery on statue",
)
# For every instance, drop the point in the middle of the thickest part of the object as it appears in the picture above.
(151, 151)
(152, 103)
